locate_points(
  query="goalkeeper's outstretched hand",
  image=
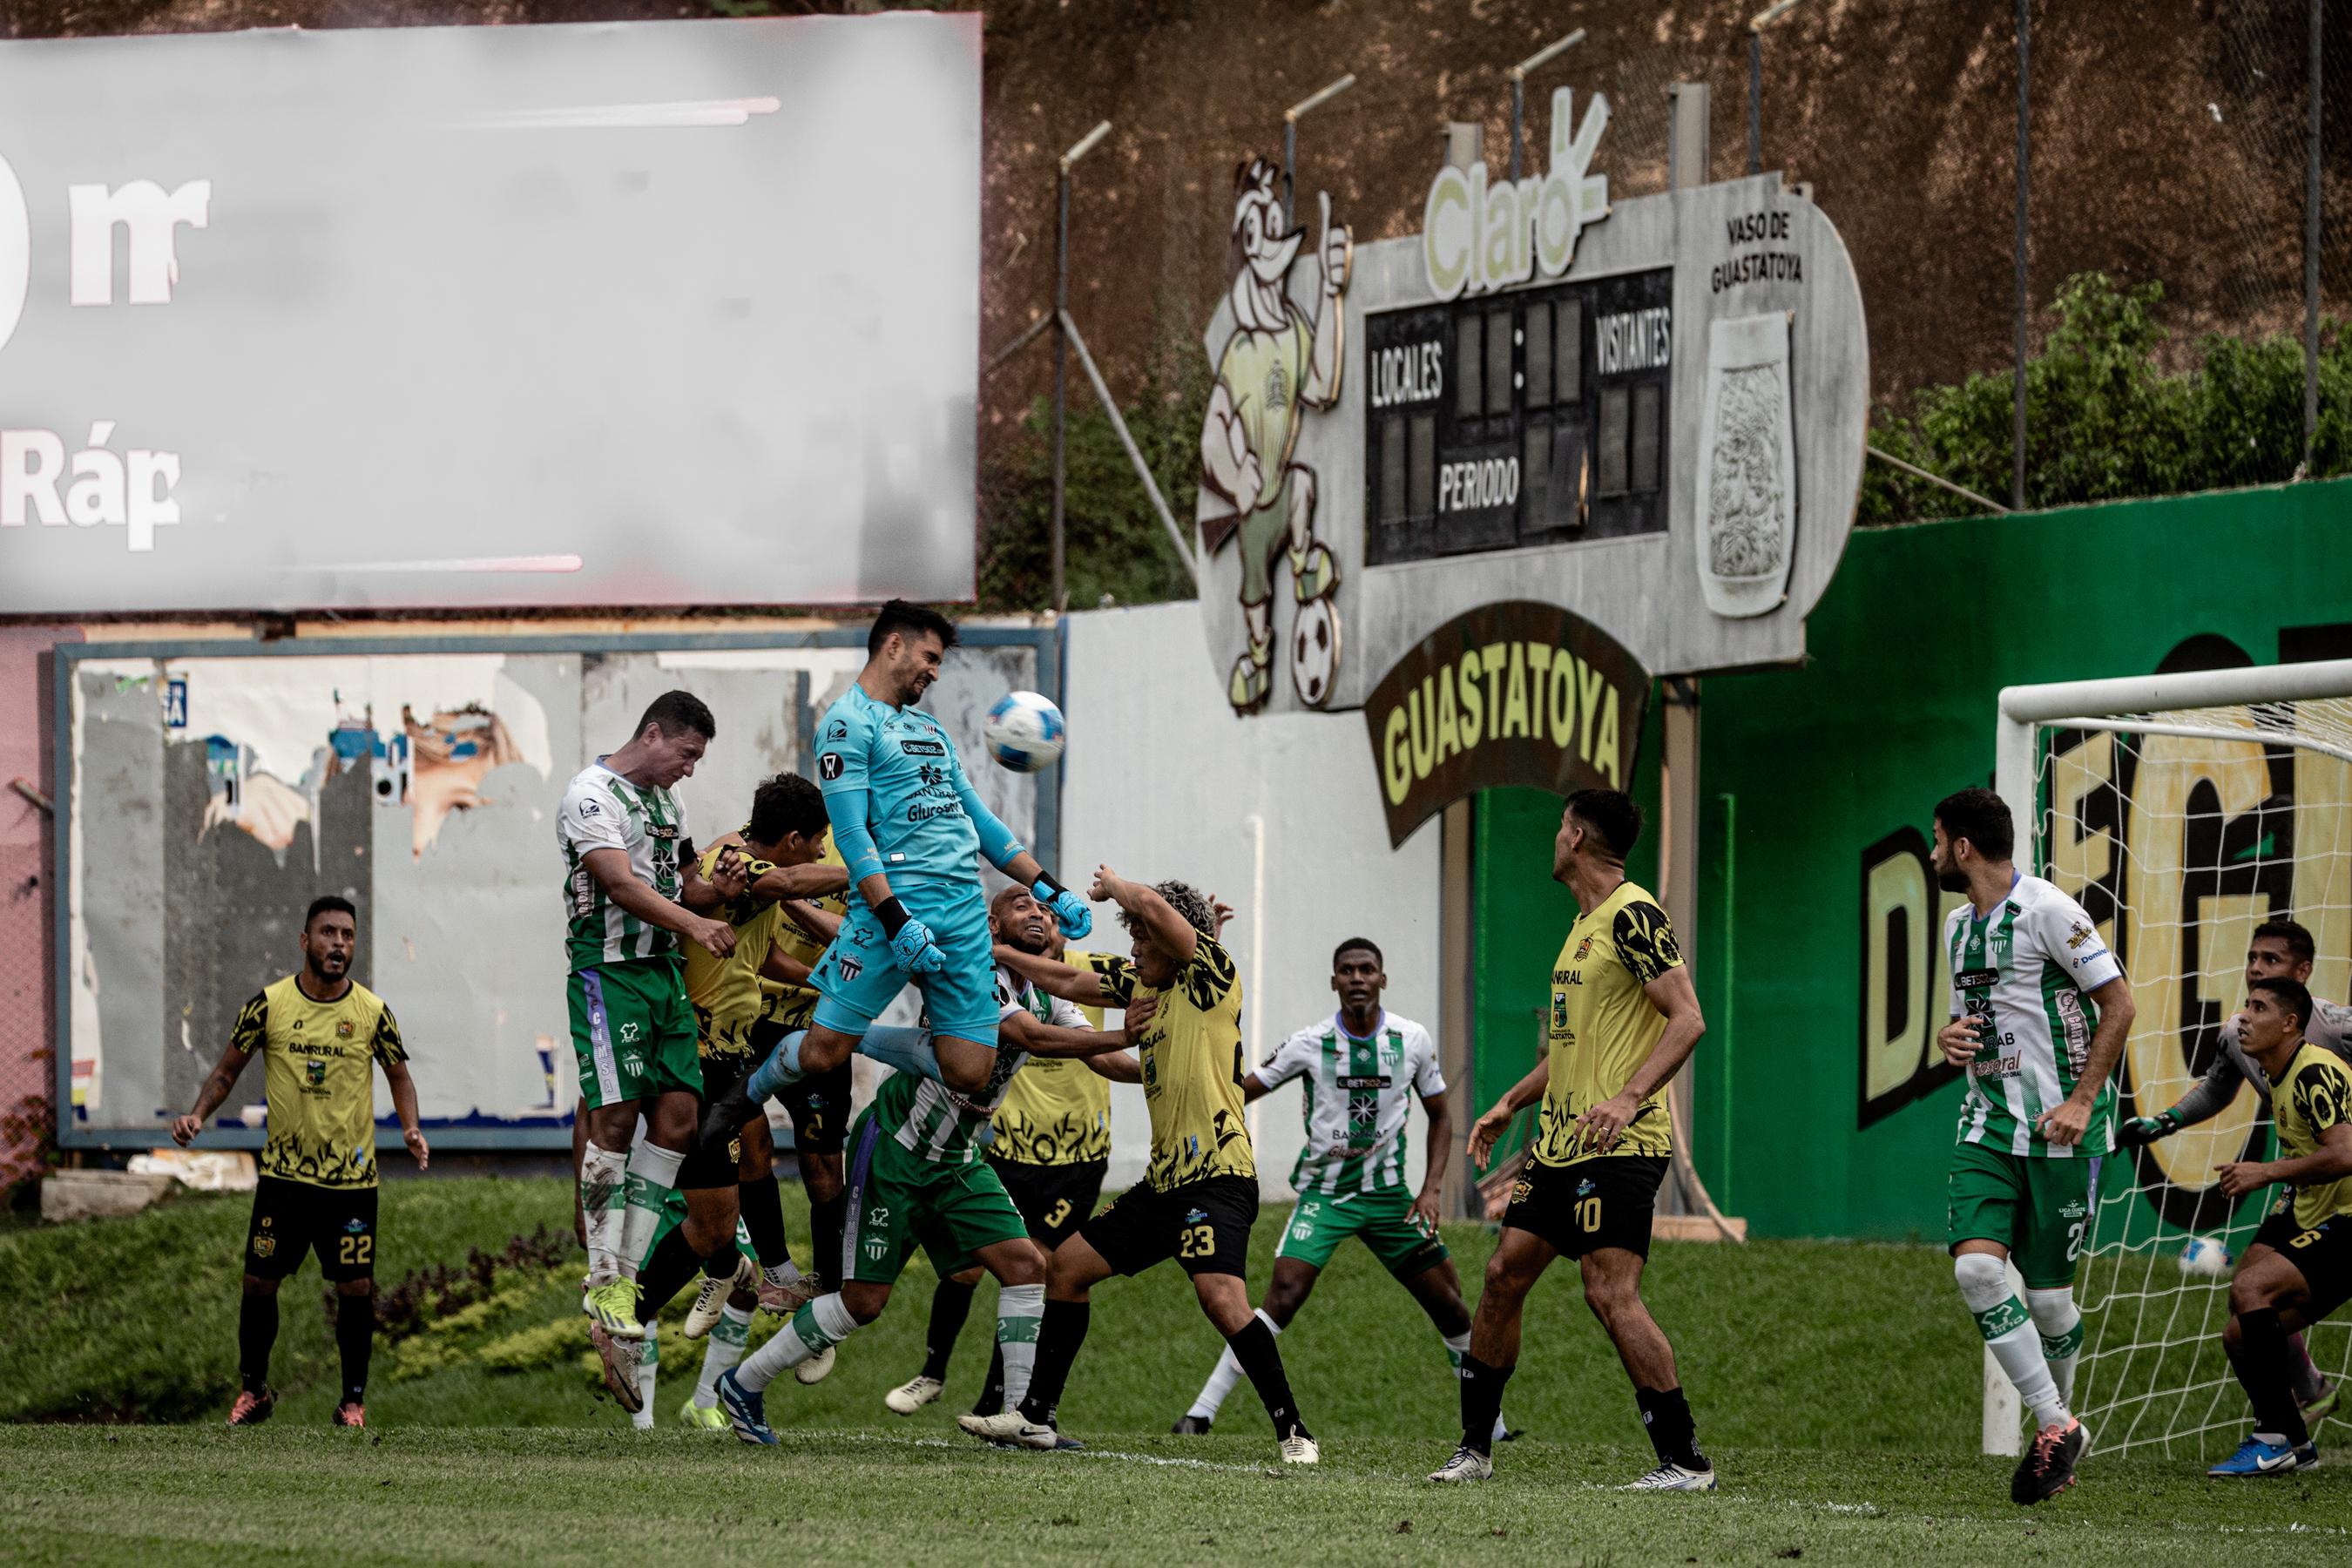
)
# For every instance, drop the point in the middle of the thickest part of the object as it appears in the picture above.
(1070, 912)
(2144, 1130)
(912, 942)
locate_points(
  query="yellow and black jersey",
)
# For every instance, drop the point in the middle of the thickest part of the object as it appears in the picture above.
(791, 1005)
(320, 1078)
(2313, 1094)
(1079, 960)
(726, 991)
(1602, 1026)
(1055, 1111)
(1192, 1066)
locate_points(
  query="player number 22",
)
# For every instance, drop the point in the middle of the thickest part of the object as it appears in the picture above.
(356, 1249)
(1197, 1241)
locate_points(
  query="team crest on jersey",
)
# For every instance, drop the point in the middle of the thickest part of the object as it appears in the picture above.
(2078, 935)
(342, 1028)
(850, 968)
(828, 766)
(316, 1070)
(264, 1246)
(1583, 950)
(1559, 1009)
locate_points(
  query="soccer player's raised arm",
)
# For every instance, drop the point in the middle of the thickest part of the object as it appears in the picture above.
(817, 880)
(1055, 978)
(1165, 929)
(245, 1037)
(1025, 1032)
(1009, 856)
(2206, 1098)
(611, 870)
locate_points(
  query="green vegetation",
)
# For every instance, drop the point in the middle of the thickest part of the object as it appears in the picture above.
(2106, 421)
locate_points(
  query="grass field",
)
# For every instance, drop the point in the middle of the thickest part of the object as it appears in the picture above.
(1835, 1385)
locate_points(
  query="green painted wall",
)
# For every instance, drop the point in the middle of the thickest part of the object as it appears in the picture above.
(1893, 709)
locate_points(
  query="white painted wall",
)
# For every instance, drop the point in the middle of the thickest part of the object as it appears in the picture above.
(1162, 779)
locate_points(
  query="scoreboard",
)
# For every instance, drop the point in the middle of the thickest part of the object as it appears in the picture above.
(1534, 416)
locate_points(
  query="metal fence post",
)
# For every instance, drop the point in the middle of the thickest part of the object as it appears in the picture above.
(1062, 358)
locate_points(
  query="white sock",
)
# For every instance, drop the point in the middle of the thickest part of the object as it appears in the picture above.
(603, 1174)
(1224, 1378)
(652, 1173)
(2008, 1328)
(727, 1337)
(648, 1371)
(816, 1328)
(1457, 1347)
(784, 1273)
(2061, 1325)
(1019, 1311)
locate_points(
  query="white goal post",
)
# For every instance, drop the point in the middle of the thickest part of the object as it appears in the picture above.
(2196, 804)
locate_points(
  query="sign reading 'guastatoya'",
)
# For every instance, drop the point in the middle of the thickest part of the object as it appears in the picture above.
(1514, 693)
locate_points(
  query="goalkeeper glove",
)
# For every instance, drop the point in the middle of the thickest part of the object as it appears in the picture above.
(912, 942)
(1069, 910)
(2142, 1130)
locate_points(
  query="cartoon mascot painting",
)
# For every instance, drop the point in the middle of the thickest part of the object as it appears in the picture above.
(1276, 364)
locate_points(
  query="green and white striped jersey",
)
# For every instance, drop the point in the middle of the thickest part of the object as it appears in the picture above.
(601, 810)
(1357, 1095)
(2026, 970)
(933, 1121)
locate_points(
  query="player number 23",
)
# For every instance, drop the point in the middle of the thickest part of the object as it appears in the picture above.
(1197, 1241)
(356, 1249)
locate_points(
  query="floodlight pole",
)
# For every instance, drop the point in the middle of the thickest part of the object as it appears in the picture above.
(1062, 355)
(1290, 140)
(1519, 79)
(1755, 25)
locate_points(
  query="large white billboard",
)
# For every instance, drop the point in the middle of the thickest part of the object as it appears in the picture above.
(677, 314)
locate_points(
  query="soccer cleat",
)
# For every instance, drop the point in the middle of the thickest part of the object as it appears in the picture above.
(621, 1358)
(1010, 1429)
(816, 1368)
(1298, 1448)
(350, 1413)
(252, 1409)
(785, 1299)
(2048, 1468)
(1191, 1425)
(747, 1411)
(613, 1306)
(1673, 1479)
(913, 1393)
(1466, 1464)
(2321, 1405)
(1065, 1444)
(701, 1418)
(2259, 1456)
(711, 1300)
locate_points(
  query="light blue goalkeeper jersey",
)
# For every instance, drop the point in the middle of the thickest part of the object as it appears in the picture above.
(897, 797)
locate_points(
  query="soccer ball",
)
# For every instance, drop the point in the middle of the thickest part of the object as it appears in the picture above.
(1315, 651)
(2203, 1256)
(1024, 731)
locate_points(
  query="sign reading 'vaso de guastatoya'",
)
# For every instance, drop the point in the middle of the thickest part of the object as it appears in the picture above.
(1648, 411)
(1516, 693)
(615, 314)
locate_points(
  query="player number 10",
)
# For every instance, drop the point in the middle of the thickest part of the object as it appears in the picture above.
(1588, 1215)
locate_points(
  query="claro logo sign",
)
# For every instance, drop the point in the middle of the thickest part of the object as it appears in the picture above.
(41, 480)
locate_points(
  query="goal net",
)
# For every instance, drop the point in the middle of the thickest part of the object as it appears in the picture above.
(2183, 811)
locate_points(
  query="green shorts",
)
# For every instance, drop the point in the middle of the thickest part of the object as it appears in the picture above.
(634, 1031)
(897, 1200)
(2038, 1208)
(1383, 1220)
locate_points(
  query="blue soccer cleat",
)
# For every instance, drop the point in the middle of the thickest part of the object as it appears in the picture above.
(2258, 1455)
(747, 1411)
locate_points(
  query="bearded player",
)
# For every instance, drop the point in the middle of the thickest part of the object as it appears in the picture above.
(907, 824)
(2040, 1013)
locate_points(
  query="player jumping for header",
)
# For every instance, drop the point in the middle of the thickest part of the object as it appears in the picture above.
(907, 823)
(2040, 1013)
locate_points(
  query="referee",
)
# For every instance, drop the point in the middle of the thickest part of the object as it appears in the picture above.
(1623, 1020)
(323, 1035)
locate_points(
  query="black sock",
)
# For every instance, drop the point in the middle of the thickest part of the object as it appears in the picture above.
(721, 1265)
(950, 1305)
(763, 1220)
(2265, 1366)
(1665, 1416)
(355, 1337)
(991, 1393)
(1059, 1334)
(672, 1263)
(256, 1331)
(1482, 1401)
(827, 1218)
(1254, 1348)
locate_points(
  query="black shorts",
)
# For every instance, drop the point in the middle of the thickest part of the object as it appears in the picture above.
(1204, 1225)
(1590, 1205)
(716, 1160)
(291, 1219)
(819, 1105)
(2322, 1254)
(1054, 1200)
